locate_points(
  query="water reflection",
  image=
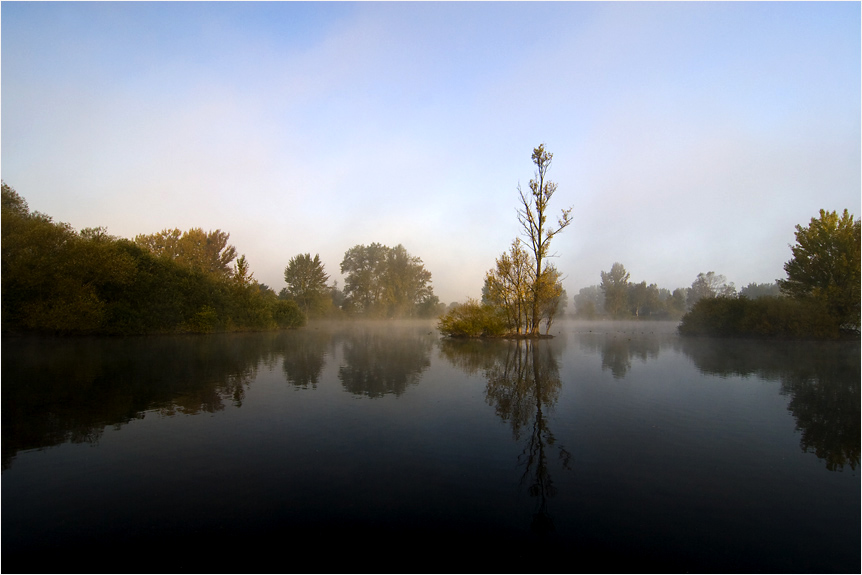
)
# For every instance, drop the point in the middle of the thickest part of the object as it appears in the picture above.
(377, 363)
(821, 380)
(57, 391)
(304, 356)
(523, 385)
(617, 350)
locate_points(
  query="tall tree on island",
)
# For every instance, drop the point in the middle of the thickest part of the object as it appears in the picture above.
(536, 228)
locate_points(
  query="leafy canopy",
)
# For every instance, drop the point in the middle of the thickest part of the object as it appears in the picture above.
(826, 265)
(306, 283)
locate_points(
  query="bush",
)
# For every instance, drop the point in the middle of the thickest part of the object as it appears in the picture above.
(287, 314)
(769, 317)
(472, 319)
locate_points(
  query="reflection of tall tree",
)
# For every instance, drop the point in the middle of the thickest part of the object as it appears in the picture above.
(523, 384)
(378, 363)
(618, 350)
(56, 391)
(820, 378)
(304, 356)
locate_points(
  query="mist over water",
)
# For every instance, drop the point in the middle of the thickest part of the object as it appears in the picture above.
(619, 442)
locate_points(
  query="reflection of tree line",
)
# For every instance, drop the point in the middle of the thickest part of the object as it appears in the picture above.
(820, 378)
(618, 350)
(523, 385)
(377, 359)
(57, 391)
(376, 364)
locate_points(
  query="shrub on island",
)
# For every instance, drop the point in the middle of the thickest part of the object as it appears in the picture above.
(473, 319)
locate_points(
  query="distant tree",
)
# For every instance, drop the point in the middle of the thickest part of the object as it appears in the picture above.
(615, 289)
(336, 295)
(385, 282)
(306, 283)
(589, 301)
(709, 285)
(208, 252)
(643, 299)
(676, 303)
(430, 307)
(826, 265)
(364, 268)
(756, 290)
(407, 284)
(537, 230)
(242, 276)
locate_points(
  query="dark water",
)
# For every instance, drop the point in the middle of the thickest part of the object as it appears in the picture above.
(381, 447)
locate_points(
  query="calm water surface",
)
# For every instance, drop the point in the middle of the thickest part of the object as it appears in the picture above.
(382, 447)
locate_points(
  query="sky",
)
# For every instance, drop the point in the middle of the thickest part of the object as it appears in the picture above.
(687, 137)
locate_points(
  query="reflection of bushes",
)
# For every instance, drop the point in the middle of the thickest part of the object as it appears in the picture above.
(762, 317)
(820, 378)
(472, 355)
(68, 390)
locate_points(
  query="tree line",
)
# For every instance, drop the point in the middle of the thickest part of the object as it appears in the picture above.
(56, 280)
(819, 298)
(380, 282)
(617, 297)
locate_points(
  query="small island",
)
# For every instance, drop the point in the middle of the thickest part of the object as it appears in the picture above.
(522, 293)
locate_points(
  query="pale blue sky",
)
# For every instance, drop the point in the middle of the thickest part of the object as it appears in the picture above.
(687, 137)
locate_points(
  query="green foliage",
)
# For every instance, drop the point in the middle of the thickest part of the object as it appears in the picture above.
(615, 288)
(769, 317)
(430, 307)
(207, 252)
(643, 299)
(589, 302)
(826, 266)
(204, 321)
(512, 288)
(509, 287)
(306, 284)
(384, 282)
(709, 285)
(473, 319)
(756, 290)
(57, 281)
(287, 314)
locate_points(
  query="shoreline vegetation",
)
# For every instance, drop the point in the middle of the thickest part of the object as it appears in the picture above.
(57, 281)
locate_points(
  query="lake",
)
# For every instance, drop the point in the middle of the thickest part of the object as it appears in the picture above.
(382, 447)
